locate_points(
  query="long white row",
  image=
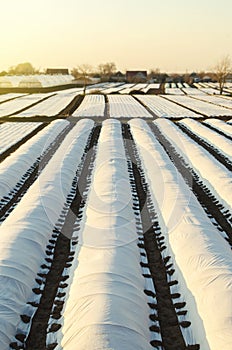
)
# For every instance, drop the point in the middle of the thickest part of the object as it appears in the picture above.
(125, 106)
(106, 307)
(140, 86)
(24, 235)
(203, 260)
(226, 89)
(6, 97)
(205, 88)
(127, 88)
(150, 86)
(13, 106)
(202, 107)
(220, 125)
(213, 174)
(14, 167)
(113, 89)
(164, 108)
(91, 106)
(174, 91)
(214, 139)
(37, 80)
(50, 107)
(220, 101)
(192, 91)
(11, 133)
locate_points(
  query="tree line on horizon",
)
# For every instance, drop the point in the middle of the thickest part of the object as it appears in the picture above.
(105, 71)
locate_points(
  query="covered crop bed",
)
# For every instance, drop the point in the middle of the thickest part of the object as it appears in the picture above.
(115, 229)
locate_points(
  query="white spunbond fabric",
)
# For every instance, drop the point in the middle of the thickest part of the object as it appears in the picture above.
(10, 96)
(174, 91)
(16, 165)
(212, 137)
(164, 108)
(43, 80)
(150, 86)
(202, 107)
(11, 133)
(202, 257)
(220, 125)
(50, 107)
(13, 106)
(91, 106)
(25, 233)
(106, 308)
(124, 106)
(217, 100)
(214, 175)
(193, 92)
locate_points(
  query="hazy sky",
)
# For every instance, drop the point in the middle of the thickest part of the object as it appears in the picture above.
(174, 35)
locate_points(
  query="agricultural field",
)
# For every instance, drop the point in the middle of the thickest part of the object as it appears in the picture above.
(116, 220)
(36, 80)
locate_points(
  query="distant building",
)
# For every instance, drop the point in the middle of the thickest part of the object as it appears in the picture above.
(134, 76)
(118, 77)
(54, 71)
(206, 79)
(194, 78)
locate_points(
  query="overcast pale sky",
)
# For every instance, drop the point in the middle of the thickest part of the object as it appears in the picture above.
(174, 35)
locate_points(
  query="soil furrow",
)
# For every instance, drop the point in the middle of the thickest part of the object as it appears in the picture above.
(107, 108)
(72, 106)
(153, 244)
(54, 279)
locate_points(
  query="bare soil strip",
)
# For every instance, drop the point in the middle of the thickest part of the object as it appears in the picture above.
(62, 256)
(72, 106)
(215, 153)
(153, 244)
(36, 168)
(107, 108)
(209, 203)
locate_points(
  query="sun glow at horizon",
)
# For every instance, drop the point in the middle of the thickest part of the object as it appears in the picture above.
(172, 36)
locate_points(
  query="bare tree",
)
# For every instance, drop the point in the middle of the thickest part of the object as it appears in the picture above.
(82, 71)
(75, 72)
(222, 69)
(153, 73)
(106, 70)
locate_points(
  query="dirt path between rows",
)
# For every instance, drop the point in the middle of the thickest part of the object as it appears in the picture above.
(62, 256)
(167, 307)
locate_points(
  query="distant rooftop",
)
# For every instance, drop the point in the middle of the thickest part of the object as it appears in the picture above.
(52, 71)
